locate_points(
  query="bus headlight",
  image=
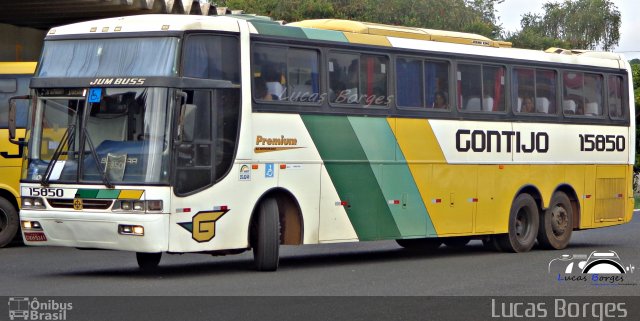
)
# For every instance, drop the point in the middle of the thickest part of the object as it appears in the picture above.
(32, 203)
(138, 206)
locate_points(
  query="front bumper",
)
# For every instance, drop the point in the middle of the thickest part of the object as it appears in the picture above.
(99, 230)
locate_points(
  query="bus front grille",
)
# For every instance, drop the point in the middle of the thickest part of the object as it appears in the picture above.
(89, 204)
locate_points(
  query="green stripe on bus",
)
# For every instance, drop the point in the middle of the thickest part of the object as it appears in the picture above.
(108, 193)
(352, 176)
(275, 29)
(393, 176)
(327, 35)
(87, 193)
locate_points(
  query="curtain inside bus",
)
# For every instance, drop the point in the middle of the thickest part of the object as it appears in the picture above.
(109, 57)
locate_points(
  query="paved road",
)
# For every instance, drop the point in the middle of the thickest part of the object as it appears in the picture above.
(375, 268)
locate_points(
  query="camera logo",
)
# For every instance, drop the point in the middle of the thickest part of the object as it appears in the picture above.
(601, 268)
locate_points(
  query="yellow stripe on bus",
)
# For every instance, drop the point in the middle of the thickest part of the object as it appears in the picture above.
(131, 194)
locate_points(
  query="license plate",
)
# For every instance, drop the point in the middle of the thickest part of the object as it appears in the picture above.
(35, 236)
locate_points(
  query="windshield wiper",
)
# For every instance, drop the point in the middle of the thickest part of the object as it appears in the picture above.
(105, 178)
(67, 138)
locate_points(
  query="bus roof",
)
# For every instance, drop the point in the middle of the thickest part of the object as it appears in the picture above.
(345, 31)
(17, 68)
(400, 32)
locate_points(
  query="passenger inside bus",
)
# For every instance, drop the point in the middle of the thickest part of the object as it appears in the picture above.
(527, 105)
(440, 100)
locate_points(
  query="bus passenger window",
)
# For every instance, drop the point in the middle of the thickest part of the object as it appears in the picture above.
(212, 57)
(343, 78)
(593, 94)
(358, 79)
(533, 91)
(409, 81)
(582, 93)
(285, 74)
(269, 64)
(436, 75)
(615, 96)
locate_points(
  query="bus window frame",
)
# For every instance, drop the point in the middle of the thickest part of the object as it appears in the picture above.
(558, 94)
(452, 105)
(287, 46)
(604, 117)
(359, 107)
(507, 87)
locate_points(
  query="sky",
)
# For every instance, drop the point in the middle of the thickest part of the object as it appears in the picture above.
(510, 12)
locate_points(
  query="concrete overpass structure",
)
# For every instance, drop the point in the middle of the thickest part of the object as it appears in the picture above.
(24, 23)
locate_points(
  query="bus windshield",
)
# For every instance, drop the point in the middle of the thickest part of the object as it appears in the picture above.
(110, 57)
(120, 139)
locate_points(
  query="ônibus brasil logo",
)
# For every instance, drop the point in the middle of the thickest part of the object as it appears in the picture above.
(599, 268)
(24, 308)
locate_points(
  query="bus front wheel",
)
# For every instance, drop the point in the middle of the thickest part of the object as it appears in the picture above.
(556, 223)
(523, 225)
(9, 222)
(266, 236)
(148, 262)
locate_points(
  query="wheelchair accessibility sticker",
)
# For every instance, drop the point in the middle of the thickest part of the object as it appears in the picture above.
(600, 268)
(269, 170)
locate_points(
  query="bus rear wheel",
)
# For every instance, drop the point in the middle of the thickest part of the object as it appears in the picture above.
(266, 236)
(9, 222)
(523, 225)
(148, 262)
(423, 244)
(556, 223)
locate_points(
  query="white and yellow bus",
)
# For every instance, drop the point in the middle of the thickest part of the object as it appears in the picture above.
(14, 81)
(221, 134)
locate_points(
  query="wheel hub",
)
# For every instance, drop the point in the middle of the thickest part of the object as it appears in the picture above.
(559, 220)
(522, 224)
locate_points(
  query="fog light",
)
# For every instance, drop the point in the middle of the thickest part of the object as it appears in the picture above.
(138, 230)
(31, 225)
(131, 230)
(138, 206)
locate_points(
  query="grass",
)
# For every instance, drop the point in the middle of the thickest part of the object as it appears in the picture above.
(637, 201)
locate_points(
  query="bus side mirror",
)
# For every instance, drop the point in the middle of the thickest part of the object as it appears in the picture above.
(12, 118)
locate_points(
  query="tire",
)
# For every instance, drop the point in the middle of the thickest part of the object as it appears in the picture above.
(523, 225)
(9, 222)
(422, 244)
(556, 223)
(456, 242)
(266, 236)
(148, 262)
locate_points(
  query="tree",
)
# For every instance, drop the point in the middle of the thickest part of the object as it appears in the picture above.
(573, 24)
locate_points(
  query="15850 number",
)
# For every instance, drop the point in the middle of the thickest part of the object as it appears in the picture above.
(46, 192)
(602, 143)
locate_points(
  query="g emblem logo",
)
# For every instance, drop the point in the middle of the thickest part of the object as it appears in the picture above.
(77, 204)
(203, 225)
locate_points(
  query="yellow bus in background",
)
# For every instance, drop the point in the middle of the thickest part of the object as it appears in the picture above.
(14, 81)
